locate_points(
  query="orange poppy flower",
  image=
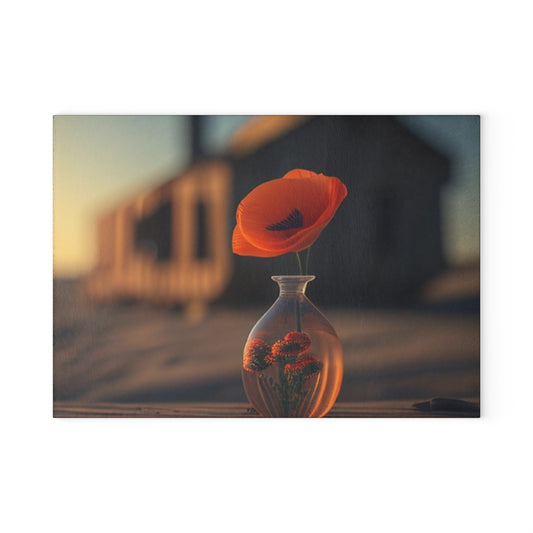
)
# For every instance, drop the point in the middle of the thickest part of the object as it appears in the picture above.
(287, 214)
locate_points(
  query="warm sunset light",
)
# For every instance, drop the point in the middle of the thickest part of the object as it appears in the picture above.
(171, 233)
(101, 160)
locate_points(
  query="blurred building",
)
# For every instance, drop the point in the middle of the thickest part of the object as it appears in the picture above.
(168, 245)
(173, 244)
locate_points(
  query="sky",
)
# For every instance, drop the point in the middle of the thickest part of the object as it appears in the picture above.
(458, 137)
(100, 160)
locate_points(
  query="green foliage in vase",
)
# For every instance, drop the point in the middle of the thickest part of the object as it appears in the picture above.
(298, 371)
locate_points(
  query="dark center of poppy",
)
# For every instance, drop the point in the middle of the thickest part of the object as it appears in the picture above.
(294, 220)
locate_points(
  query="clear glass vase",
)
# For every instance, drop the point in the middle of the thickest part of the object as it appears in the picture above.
(292, 362)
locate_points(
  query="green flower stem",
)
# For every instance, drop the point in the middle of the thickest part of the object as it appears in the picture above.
(298, 311)
(283, 391)
(299, 263)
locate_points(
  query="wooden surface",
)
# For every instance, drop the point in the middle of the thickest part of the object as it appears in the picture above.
(396, 409)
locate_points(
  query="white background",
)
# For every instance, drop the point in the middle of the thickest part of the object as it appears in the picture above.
(265, 475)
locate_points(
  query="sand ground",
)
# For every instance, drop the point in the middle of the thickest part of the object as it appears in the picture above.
(138, 353)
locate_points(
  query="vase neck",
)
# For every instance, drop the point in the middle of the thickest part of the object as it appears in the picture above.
(292, 284)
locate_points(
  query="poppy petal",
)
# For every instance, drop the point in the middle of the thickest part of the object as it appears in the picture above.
(243, 247)
(300, 173)
(287, 214)
(274, 202)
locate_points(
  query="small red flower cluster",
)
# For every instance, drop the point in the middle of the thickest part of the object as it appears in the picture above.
(306, 363)
(256, 352)
(290, 351)
(294, 343)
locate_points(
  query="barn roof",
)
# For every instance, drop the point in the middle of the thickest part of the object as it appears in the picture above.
(263, 129)
(260, 130)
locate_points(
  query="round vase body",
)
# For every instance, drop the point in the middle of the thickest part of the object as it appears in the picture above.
(292, 362)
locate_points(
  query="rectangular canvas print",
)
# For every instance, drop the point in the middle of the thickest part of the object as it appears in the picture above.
(266, 266)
